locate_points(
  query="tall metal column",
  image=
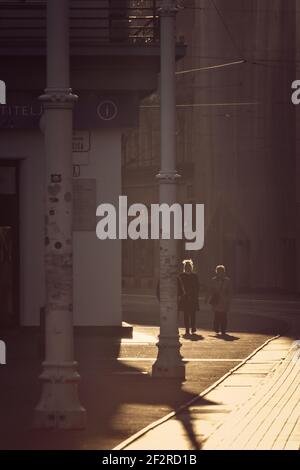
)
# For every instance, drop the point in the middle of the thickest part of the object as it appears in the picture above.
(59, 406)
(169, 361)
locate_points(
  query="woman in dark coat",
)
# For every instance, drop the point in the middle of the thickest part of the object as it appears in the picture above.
(188, 293)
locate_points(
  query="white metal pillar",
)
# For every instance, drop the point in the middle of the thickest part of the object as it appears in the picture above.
(169, 361)
(59, 406)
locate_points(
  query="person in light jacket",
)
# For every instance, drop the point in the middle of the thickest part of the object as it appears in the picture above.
(220, 297)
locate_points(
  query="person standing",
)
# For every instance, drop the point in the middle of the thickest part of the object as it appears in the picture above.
(220, 297)
(188, 295)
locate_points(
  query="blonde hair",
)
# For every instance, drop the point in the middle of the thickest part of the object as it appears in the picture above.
(219, 268)
(188, 261)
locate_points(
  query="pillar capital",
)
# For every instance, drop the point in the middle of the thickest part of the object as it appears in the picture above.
(58, 98)
(168, 8)
(168, 176)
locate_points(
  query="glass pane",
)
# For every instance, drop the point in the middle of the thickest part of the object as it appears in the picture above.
(7, 180)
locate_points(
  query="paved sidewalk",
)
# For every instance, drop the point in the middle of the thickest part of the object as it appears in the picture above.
(117, 389)
(254, 406)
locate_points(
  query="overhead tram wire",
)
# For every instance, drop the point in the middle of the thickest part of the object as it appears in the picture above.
(211, 67)
(241, 60)
(203, 105)
(219, 66)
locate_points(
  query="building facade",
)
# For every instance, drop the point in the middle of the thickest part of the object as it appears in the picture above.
(114, 64)
(236, 141)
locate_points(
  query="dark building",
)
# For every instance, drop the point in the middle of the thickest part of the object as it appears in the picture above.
(236, 144)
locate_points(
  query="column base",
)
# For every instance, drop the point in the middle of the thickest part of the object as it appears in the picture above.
(170, 371)
(59, 406)
(49, 419)
(169, 361)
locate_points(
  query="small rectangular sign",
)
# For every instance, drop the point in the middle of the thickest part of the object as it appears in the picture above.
(85, 203)
(81, 141)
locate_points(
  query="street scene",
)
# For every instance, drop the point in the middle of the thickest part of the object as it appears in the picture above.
(149, 227)
(117, 388)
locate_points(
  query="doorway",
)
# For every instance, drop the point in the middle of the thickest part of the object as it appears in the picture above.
(9, 244)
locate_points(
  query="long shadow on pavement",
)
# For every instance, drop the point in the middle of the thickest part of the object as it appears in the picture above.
(120, 399)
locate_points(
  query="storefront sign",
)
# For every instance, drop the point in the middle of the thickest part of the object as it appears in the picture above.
(81, 141)
(92, 111)
(13, 116)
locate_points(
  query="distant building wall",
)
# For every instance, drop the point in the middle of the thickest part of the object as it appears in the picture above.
(245, 161)
(236, 127)
(97, 268)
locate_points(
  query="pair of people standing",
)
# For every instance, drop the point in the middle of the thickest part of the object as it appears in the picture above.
(219, 296)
